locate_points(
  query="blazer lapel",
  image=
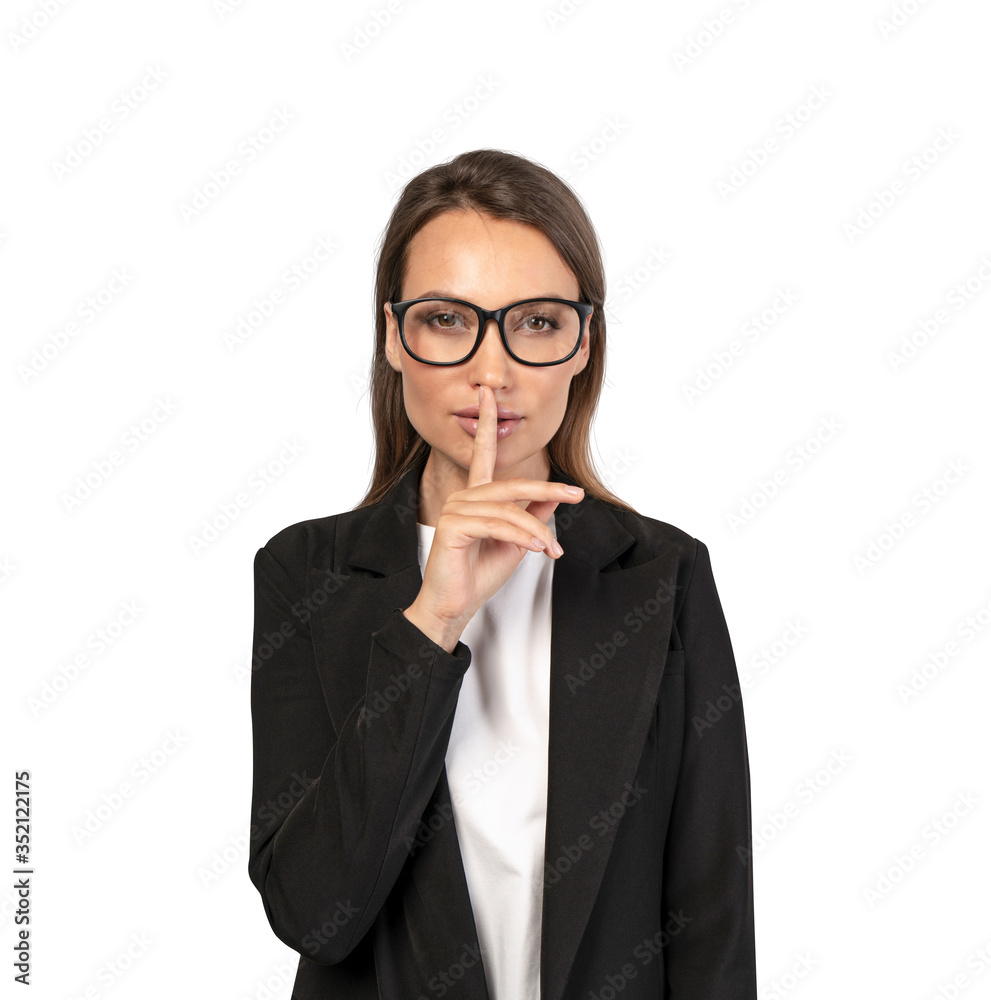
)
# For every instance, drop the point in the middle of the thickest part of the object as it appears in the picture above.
(611, 628)
(383, 572)
(610, 632)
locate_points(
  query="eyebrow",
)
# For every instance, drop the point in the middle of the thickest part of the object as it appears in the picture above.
(436, 293)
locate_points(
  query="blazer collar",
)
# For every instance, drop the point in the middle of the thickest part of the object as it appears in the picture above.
(388, 542)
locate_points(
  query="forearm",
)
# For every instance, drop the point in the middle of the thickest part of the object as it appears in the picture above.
(327, 858)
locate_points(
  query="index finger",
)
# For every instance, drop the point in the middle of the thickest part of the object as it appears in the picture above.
(483, 452)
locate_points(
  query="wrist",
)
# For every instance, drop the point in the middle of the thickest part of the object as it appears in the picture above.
(439, 630)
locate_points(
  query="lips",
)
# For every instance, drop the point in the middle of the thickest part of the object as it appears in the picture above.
(503, 413)
(504, 427)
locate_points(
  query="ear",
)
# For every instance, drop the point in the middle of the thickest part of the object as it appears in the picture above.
(393, 346)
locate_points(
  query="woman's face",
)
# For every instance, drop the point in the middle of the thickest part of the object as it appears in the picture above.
(490, 262)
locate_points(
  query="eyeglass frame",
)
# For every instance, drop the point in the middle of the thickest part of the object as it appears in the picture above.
(584, 310)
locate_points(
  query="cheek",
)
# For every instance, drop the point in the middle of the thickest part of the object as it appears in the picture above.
(558, 391)
(424, 397)
(550, 400)
(413, 395)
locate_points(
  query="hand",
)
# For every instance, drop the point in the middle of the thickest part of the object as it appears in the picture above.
(481, 536)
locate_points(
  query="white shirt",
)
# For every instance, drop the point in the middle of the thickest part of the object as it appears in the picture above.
(497, 769)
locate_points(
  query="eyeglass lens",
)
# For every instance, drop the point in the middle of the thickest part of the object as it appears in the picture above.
(444, 330)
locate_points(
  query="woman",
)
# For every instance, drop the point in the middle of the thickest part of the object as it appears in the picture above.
(499, 747)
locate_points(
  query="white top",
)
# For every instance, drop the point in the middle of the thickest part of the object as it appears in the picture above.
(497, 769)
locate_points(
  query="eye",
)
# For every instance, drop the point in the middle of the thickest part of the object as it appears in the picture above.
(445, 319)
(539, 322)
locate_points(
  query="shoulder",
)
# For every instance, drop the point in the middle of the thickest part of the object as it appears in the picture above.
(652, 531)
(653, 538)
(314, 541)
(683, 558)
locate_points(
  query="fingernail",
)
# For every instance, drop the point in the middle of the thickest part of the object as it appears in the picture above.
(573, 490)
(556, 548)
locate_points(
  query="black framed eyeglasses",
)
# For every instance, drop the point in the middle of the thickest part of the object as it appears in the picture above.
(444, 331)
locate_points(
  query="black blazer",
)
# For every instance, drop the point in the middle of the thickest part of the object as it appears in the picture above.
(648, 888)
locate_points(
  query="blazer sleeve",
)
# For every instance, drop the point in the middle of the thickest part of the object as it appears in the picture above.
(707, 890)
(333, 814)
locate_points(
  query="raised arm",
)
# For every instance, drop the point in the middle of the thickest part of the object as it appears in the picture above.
(332, 814)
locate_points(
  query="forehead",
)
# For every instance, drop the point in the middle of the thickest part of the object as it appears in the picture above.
(490, 261)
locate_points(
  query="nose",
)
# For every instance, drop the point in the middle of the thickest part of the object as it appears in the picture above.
(490, 363)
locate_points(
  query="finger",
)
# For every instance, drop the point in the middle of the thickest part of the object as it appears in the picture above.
(481, 528)
(542, 509)
(483, 452)
(525, 491)
(508, 511)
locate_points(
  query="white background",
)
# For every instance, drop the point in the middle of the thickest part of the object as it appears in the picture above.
(650, 140)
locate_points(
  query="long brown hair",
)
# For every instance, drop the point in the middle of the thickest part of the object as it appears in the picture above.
(505, 186)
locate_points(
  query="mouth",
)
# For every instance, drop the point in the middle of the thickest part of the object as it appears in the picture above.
(503, 413)
(508, 421)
